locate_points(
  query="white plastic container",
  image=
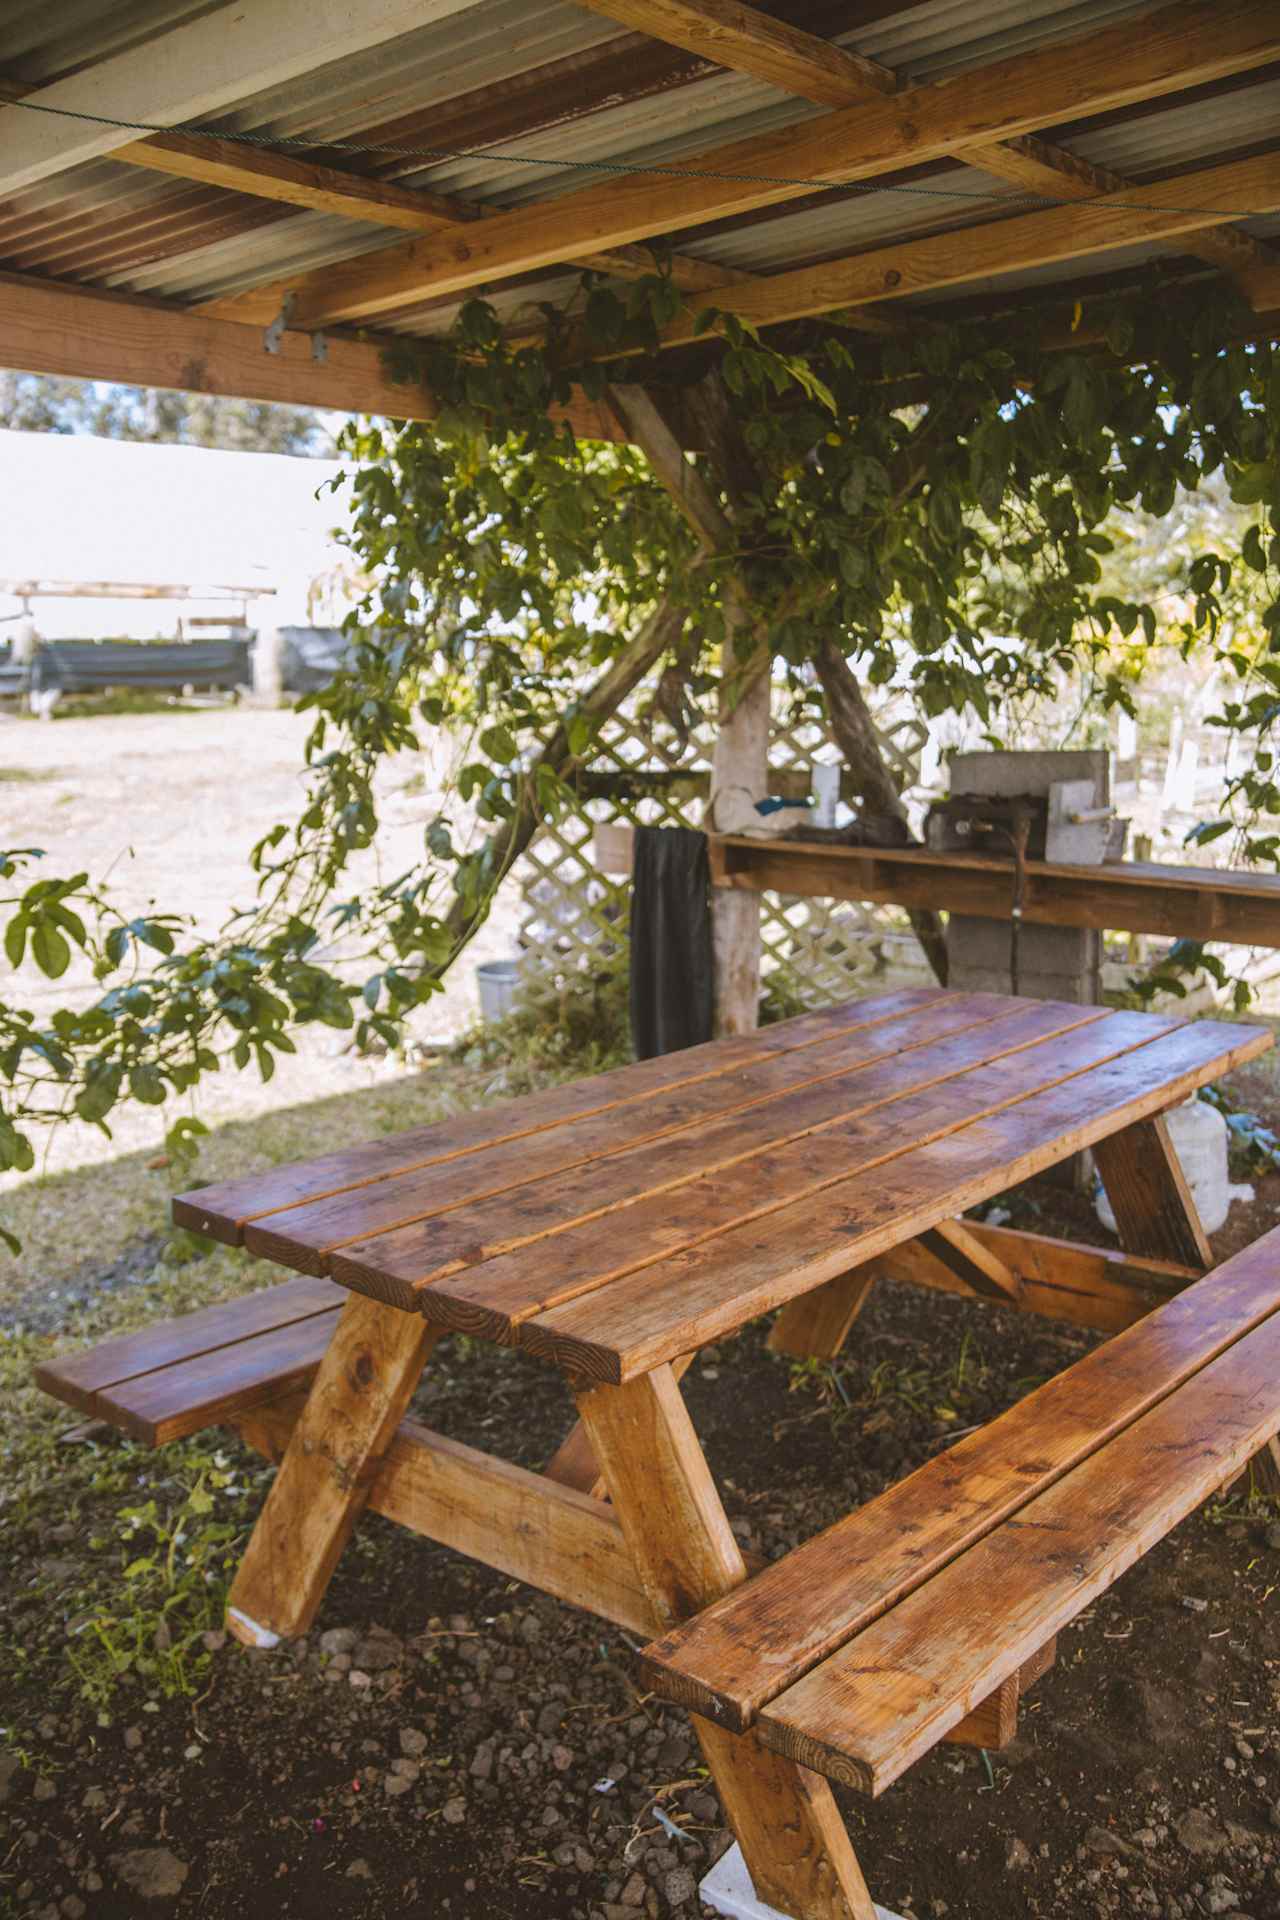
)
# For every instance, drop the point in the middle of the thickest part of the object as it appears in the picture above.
(824, 785)
(1199, 1136)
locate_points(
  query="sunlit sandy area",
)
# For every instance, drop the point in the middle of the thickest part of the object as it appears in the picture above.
(166, 807)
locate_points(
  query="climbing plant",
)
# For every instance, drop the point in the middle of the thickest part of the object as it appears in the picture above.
(931, 506)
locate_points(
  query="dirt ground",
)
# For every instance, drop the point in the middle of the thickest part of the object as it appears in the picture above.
(446, 1742)
(165, 807)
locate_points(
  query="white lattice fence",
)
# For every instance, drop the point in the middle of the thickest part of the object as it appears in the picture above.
(818, 951)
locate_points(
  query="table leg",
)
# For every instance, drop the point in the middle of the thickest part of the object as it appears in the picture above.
(574, 1464)
(784, 1816)
(1155, 1212)
(815, 1325)
(357, 1400)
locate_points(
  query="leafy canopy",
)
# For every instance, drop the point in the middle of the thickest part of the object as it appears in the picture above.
(938, 501)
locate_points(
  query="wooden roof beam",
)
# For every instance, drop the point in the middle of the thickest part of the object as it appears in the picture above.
(748, 41)
(1168, 210)
(193, 70)
(281, 177)
(47, 327)
(745, 40)
(1178, 46)
(1043, 167)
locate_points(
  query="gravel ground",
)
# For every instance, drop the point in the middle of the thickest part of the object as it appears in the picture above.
(448, 1742)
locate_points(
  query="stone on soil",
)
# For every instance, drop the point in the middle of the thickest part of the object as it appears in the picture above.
(153, 1873)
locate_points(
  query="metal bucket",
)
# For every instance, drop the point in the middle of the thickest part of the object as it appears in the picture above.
(498, 982)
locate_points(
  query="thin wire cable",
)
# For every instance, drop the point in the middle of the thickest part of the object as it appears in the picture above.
(274, 143)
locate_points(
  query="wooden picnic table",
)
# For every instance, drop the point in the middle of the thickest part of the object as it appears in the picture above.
(614, 1226)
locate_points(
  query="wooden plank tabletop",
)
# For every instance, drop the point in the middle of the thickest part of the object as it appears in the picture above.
(619, 1221)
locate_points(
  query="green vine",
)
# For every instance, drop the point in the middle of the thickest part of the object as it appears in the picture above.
(941, 501)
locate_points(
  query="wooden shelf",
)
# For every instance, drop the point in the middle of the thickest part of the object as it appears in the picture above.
(1195, 903)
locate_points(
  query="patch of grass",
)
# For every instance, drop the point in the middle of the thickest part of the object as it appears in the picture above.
(24, 776)
(118, 1557)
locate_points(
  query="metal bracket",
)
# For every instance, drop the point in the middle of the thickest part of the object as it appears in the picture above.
(273, 334)
(319, 349)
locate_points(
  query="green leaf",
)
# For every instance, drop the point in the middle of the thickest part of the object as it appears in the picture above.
(15, 939)
(146, 1083)
(50, 950)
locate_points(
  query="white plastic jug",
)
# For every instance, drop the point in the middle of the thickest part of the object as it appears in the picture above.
(1199, 1136)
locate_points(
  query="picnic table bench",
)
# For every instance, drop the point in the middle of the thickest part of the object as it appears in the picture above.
(616, 1225)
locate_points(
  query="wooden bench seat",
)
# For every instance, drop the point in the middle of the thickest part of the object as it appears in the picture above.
(862, 1649)
(203, 1369)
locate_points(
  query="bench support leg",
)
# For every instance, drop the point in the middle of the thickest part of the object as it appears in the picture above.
(574, 1464)
(1155, 1214)
(357, 1400)
(785, 1818)
(815, 1325)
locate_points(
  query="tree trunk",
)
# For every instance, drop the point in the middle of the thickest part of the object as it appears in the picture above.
(855, 736)
(740, 764)
(505, 845)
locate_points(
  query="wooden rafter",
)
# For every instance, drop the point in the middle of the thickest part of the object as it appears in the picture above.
(192, 71)
(296, 182)
(1044, 167)
(1167, 209)
(748, 41)
(1178, 46)
(48, 328)
(325, 189)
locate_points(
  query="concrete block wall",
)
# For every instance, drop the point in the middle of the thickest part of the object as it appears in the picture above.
(1054, 963)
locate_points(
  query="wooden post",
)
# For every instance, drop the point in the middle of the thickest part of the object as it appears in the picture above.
(357, 1400)
(739, 777)
(785, 1818)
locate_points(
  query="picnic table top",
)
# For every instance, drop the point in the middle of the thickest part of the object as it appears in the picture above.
(618, 1222)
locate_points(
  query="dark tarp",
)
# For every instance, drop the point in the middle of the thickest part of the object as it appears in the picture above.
(671, 990)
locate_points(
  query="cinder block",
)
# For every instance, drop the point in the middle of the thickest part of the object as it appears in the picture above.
(974, 942)
(993, 774)
(1077, 989)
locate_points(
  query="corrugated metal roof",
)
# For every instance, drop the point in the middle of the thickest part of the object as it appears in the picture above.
(40, 43)
(547, 81)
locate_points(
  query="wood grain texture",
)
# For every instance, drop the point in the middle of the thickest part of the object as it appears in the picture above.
(1179, 46)
(1153, 1204)
(748, 41)
(495, 1197)
(212, 1388)
(296, 182)
(1166, 210)
(993, 1723)
(892, 1692)
(662, 1490)
(747, 1649)
(1144, 897)
(555, 1538)
(222, 1210)
(971, 1260)
(488, 1268)
(1087, 1286)
(79, 1378)
(574, 1463)
(816, 1325)
(785, 1819)
(363, 1385)
(711, 1289)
